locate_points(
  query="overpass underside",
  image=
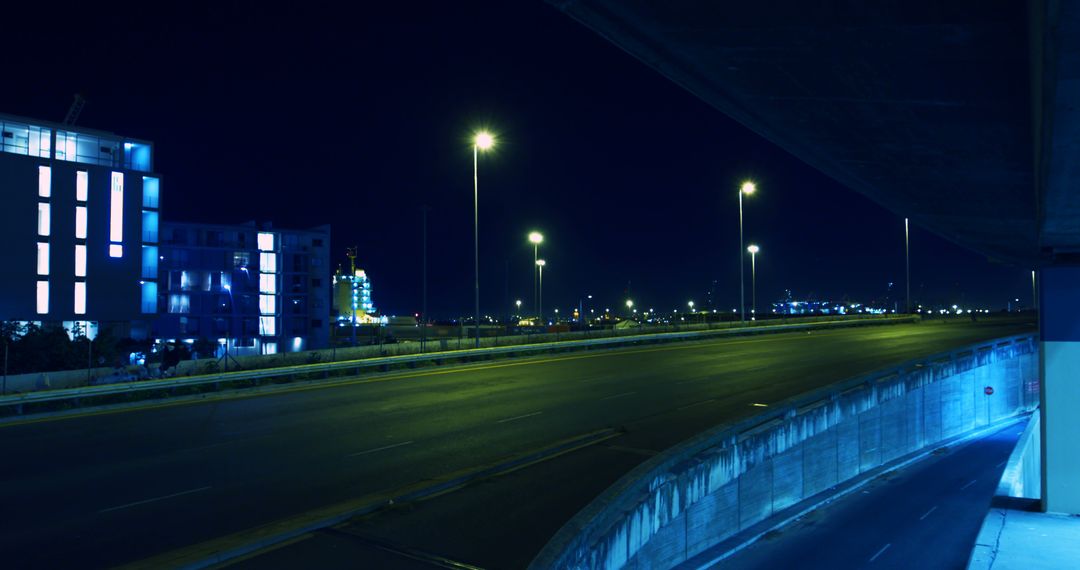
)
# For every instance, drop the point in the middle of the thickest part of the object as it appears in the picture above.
(958, 115)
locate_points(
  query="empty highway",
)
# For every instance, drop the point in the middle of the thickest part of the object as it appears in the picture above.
(106, 489)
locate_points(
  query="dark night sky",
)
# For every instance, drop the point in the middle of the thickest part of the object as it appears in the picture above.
(356, 118)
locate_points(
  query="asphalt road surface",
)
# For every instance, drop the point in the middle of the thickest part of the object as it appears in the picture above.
(101, 490)
(926, 515)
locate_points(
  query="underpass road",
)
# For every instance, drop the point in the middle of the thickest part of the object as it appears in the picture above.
(926, 515)
(107, 489)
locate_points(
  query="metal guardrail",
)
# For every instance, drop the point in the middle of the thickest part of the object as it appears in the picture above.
(77, 395)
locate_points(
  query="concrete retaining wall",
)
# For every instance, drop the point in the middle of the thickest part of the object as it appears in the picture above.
(1022, 478)
(705, 490)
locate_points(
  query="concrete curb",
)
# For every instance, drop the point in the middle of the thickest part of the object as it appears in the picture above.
(220, 551)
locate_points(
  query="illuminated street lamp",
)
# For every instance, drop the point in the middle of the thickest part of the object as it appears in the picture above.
(629, 305)
(536, 238)
(518, 303)
(540, 263)
(753, 249)
(691, 305)
(482, 141)
(747, 188)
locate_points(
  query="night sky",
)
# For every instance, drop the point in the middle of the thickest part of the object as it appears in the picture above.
(359, 118)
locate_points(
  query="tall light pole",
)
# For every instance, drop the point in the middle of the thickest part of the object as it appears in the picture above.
(482, 141)
(535, 238)
(691, 305)
(747, 188)
(518, 304)
(907, 264)
(753, 249)
(1034, 293)
(540, 263)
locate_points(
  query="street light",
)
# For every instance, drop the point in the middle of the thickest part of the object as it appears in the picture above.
(747, 188)
(535, 238)
(518, 303)
(540, 263)
(691, 305)
(753, 249)
(482, 141)
(629, 304)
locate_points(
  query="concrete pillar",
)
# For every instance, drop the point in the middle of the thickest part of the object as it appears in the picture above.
(1059, 363)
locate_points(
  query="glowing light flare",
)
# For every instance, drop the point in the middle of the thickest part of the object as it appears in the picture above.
(748, 188)
(753, 249)
(536, 237)
(484, 140)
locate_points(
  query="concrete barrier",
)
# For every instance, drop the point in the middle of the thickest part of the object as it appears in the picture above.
(1022, 478)
(707, 489)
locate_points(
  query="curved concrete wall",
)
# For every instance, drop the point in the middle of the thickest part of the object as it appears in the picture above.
(695, 495)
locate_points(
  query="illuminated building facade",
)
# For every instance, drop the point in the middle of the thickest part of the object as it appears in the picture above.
(261, 290)
(352, 299)
(79, 227)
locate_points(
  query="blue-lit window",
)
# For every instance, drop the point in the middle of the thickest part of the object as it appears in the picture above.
(21, 138)
(179, 303)
(149, 297)
(266, 241)
(42, 297)
(137, 157)
(149, 261)
(44, 181)
(151, 192)
(116, 250)
(80, 297)
(82, 185)
(149, 226)
(116, 208)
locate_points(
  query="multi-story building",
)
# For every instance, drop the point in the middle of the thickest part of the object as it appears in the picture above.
(260, 290)
(79, 227)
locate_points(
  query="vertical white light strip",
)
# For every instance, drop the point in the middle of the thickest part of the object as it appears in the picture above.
(116, 215)
(80, 297)
(42, 297)
(80, 222)
(44, 181)
(43, 258)
(43, 224)
(82, 185)
(80, 260)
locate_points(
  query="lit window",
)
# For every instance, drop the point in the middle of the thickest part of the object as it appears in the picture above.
(150, 192)
(149, 261)
(42, 297)
(268, 262)
(80, 260)
(149, 226)
(116, 208)
(269, 348)
(44, 183)
(43, 219)
(267, 283)
(266, 241)
(116, 250)
(82, 185)
(80, 222)
(42, 258)
(149, 297)
(267, 326)
(267, 304)
(179, 304)
(80, 297)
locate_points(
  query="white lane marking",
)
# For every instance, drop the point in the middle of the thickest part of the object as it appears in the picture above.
(880, 552)
(519, 417)
(383, 448)
(757, 405)
(143, 502)
(696, 404)
(932, 509)
(1000, 464)
(968, 485)
(618, 396)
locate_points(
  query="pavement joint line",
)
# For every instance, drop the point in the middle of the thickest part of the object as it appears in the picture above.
(748, 336)
(970, 483)
(405, 552)
(880, 552)
(521, 417)
(932, 509)
(155, 499)
(618, 396)
(383, 448)
(246, 544)
(860, 484)
(696, 404)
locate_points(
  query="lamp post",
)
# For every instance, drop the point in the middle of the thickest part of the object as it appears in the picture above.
(753, 249)
(535, 238)
(482, 141)
(518, 304)
(747, 188)
(691, 305)
(540, 263)
(907, 266)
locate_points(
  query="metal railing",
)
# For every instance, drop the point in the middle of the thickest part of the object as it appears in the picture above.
(77, 397)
